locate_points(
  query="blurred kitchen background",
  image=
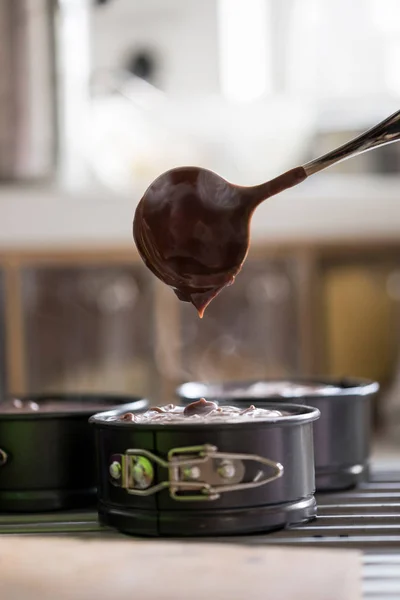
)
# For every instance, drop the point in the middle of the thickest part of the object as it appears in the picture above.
(98, 98)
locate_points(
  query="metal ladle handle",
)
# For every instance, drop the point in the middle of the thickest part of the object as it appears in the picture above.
(386, 132)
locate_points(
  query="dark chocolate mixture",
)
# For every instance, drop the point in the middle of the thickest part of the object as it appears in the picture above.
(191, 229)
(199, 411)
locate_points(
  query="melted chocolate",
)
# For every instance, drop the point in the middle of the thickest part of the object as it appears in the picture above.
(200, 407)
(198, 412)
(191, 229)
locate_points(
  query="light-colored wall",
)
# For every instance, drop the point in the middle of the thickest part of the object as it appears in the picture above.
(183, 33)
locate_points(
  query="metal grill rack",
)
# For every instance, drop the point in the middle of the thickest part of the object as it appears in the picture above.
(366, 518)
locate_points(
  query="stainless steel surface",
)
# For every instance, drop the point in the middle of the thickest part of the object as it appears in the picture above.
(385, 132)
(367, 518)
(27, 89)
(44, 88)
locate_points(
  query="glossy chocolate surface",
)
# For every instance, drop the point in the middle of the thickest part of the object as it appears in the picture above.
(191, 229)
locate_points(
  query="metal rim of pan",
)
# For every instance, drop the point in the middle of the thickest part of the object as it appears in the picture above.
(326, 387)
(129, 403)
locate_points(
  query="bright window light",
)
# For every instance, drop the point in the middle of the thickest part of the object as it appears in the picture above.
(392, 69)
(245, 67)
(385, 15)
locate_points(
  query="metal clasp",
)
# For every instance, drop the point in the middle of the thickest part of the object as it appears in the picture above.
(194, 472)
(3, 457)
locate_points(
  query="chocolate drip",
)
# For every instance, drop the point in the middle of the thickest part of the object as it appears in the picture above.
(200, 407)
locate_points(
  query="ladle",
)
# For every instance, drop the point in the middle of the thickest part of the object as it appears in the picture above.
(192, 227)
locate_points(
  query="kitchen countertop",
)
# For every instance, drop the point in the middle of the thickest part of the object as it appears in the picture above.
(41, 569)
(327, 208)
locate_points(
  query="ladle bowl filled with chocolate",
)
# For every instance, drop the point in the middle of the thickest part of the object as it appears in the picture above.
(205, 469)
(342, 436)
(47, 449)
(192, 227)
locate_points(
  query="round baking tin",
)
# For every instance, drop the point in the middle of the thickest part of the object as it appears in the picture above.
(342, 436)
(165, 479)
(48, 459)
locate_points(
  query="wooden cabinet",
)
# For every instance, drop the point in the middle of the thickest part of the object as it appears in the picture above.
(3, 369)
(360, 319)
(88, 328)
(98, 320)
